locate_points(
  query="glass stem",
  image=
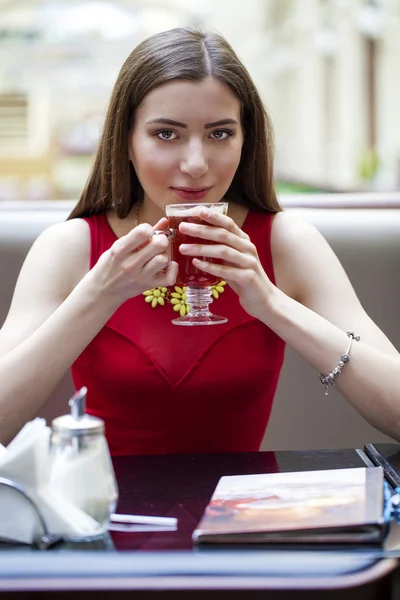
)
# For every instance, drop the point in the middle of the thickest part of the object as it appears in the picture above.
(198, 300)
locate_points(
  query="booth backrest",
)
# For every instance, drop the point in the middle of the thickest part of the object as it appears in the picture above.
(367, 241)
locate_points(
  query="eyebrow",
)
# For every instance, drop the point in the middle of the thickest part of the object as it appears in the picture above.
(164, 121)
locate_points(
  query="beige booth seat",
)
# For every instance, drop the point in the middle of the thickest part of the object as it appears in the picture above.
(365, 234)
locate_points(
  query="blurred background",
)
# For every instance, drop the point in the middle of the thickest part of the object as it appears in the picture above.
(328, 71)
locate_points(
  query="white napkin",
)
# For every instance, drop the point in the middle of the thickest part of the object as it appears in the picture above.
(26, 462)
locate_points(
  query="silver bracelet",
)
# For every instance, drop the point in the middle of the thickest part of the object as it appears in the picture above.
(329, 379)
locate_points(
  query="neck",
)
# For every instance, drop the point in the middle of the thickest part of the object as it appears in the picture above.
(149, 212)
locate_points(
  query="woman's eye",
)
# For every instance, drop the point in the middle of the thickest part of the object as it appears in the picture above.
(221, 134)
(166, 134)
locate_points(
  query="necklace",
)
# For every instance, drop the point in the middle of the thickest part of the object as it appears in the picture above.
(176, 296)
(137, 210)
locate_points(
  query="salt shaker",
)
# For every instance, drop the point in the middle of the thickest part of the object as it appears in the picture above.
(81, 468)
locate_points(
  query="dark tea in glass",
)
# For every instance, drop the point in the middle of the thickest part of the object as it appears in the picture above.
(197, 282)
(188, 274)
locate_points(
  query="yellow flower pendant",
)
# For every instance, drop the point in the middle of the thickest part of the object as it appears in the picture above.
(178, 300)
(160, 295)
(155, 296)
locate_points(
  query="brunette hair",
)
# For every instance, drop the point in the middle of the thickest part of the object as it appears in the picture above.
(182, 53)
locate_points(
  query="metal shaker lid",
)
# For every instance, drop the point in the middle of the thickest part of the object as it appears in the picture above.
(78, 422)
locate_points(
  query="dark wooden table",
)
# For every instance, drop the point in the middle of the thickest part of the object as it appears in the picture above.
(181, 485)
(165, 562)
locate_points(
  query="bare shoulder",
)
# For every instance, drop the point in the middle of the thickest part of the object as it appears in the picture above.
(56, 262)
(297, 248)
(288, 229)
(63, 250)
(307, 269)
(74, 230)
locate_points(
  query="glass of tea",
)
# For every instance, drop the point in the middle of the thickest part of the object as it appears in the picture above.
(197, 283)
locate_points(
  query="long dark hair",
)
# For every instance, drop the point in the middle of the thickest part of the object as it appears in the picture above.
(182, 53)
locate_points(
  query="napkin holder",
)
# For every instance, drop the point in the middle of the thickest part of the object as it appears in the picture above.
(31, 527)
(47, 489)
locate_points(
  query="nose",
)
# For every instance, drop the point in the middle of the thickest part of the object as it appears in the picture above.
(194, 162)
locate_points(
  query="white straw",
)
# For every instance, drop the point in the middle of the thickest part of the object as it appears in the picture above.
(135, 528)
(144, 520)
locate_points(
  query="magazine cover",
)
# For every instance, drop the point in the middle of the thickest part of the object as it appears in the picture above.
(343, 505)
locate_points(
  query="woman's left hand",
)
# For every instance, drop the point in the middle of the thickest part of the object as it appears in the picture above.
(241, 267)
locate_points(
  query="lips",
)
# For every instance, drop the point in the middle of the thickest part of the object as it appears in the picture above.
(189, 189)
(187, 193)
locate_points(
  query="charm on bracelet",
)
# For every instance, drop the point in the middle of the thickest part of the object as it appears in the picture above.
(331, 377)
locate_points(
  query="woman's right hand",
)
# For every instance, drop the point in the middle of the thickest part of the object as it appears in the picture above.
(135, 263)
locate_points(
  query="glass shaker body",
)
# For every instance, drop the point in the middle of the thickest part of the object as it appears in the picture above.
(81, 469)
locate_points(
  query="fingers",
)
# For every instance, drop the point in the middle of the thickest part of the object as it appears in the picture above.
(160, 271)
(226, 253)
(226, 272)
(140, 242)
(168, 276)
(162, 224)
(155, 265)
(231, 235)
(143, 257)
(229, 273)
(219, 220)
(129, 242)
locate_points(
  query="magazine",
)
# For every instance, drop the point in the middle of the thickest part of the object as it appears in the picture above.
(331, 506)
(386, 456)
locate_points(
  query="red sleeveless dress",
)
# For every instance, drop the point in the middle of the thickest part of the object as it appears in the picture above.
(161, 388)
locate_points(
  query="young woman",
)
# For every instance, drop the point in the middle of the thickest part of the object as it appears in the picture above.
(185, 123)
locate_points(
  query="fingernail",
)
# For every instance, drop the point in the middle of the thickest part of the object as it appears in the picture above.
(183, 247)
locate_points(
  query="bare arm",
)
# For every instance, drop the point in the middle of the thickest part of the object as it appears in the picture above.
(58, 307)
(311, 308)
(44, 314)
(316, 313)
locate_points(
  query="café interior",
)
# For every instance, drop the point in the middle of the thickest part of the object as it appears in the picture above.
(327, 71)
